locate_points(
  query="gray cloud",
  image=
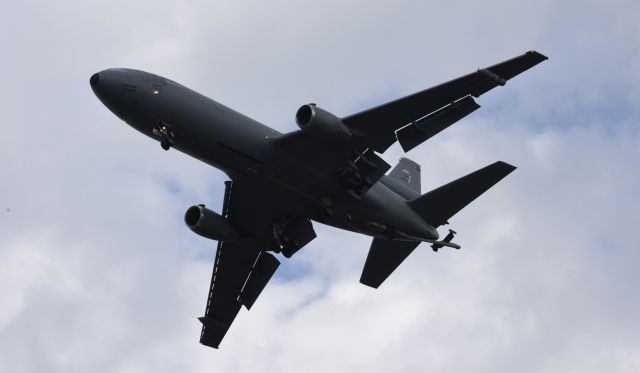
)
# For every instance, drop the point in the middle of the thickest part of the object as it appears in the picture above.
(97, 272)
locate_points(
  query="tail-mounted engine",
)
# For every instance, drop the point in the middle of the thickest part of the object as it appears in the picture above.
(209, 224)
(321, 123)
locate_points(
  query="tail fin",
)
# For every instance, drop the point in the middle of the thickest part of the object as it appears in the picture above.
(437, 206)
(407, 172)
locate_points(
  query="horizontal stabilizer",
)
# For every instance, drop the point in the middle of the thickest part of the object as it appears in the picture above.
(383, 258)
(437, 206)
(423, 129)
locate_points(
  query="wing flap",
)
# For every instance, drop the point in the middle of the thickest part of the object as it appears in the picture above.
(422, 130)
(265, 266)
(383, 258)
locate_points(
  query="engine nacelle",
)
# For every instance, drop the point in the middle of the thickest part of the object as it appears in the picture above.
(321, 123)
(209, 224)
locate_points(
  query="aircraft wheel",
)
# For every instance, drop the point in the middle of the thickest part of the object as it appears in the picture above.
(165, 145)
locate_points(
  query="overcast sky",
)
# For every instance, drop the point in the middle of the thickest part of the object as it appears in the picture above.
(99, 274)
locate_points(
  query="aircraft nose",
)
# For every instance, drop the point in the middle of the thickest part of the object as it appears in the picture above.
(102, 83)
(108, 84)
(105, 83)
(95, 78)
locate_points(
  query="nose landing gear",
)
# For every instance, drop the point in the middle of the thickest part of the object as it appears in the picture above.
(164, 132)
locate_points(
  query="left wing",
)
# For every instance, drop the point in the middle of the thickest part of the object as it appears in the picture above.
(241, 268)
(411, 119)
(380, 123)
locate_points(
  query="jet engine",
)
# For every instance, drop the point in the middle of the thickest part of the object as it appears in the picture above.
(321, 123)
(209, 224)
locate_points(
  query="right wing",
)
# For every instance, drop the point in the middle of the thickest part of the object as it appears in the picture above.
(240, 273)
(241, 268)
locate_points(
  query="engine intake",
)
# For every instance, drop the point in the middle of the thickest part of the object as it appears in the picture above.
(209, 224)
(321, 123)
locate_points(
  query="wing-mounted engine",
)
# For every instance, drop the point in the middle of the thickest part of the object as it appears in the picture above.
(360, 175)
(321, 123)
(209, 224)
(292, 234)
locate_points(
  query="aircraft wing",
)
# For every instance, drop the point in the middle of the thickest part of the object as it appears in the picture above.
(412, 119)
(380, 123)
(241, 268)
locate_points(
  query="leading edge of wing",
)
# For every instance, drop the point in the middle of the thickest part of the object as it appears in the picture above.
(380, 123)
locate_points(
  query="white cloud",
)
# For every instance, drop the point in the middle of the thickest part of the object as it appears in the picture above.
(98, 273)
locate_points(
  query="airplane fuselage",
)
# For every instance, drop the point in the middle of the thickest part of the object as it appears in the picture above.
(243, 148)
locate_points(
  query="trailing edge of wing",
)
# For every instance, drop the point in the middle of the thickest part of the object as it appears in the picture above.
(422, 130)
(264, 267)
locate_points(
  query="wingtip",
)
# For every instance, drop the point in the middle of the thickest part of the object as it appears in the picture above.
(508, 167)
(540, 55)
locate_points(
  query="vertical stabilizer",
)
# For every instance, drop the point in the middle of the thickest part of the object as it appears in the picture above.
(407, 172)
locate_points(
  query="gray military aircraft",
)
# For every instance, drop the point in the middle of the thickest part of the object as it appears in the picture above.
(327, 171)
